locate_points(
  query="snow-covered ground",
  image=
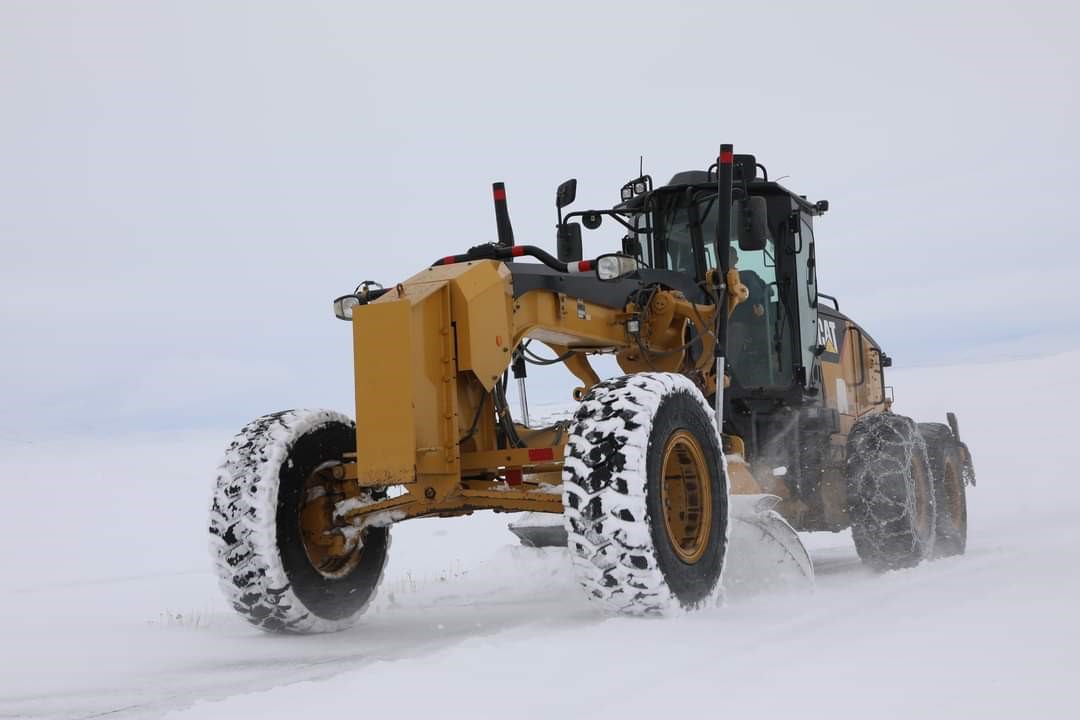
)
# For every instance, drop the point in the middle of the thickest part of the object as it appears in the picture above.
(110, 609)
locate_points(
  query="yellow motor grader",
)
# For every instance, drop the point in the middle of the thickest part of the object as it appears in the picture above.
(748, 408)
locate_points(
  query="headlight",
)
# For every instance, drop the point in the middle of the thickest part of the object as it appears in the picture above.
(609, 267)
(344, 305)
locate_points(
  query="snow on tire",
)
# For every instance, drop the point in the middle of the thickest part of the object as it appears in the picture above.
(645, 496)
(263, 561)
(890, 492)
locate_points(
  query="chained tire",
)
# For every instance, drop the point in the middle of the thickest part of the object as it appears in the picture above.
(949, 470)
(645, 496)
(890, 492)
(271, 518)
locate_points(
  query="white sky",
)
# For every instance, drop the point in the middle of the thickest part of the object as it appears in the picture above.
(185, 186)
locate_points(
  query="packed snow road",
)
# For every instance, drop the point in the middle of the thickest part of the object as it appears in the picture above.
(111, 610)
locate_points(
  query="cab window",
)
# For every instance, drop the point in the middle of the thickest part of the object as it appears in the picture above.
(680, 246)
(758, 334)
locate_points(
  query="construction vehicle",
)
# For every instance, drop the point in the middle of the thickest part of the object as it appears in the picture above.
(711, 310)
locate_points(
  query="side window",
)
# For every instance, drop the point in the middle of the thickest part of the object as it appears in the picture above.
(806, 276)
(759, 342)
(807, 231)
(710, 255)
(708, 231)
(680, 246)
(641, 224)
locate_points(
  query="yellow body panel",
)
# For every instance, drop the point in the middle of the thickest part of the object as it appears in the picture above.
(852, 385)
(405, 394)
(429, 352)
(482, 301)
(851, 377)
(386, 450)
(557, 319)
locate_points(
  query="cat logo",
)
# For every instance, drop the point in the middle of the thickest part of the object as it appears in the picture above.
(830, 338)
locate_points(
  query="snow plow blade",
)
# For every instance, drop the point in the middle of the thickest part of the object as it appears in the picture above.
(539, 530)
(764, 552)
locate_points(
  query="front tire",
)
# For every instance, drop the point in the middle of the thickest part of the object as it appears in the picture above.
(890, 492)
(270, 518)
(645, 496)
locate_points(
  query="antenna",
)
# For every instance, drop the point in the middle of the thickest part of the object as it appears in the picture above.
(641, 165)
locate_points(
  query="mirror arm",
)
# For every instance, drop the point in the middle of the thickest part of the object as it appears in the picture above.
(616, 215)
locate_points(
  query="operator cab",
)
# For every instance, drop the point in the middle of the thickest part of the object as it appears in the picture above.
(772, 341)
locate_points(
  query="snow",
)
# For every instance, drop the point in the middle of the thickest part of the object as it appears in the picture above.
(111, 604)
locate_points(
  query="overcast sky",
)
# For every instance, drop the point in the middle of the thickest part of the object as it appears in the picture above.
(185, 186)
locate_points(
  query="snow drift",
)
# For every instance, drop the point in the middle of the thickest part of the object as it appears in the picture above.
(111, 605)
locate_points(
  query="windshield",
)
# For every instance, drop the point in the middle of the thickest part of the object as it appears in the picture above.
(679, 248)
(672, 245)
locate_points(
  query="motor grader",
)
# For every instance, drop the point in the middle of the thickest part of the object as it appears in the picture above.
(748, 409)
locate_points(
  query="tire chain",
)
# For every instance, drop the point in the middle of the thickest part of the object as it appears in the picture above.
(881, 449)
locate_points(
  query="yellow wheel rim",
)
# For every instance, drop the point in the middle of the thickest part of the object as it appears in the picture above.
(686, 496)
(954, 495)
(327, 549)
(923, 492)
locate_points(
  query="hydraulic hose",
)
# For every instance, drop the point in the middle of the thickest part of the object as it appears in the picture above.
(496, 252)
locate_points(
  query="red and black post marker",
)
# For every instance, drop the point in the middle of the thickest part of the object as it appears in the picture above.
(502, 215)
(723, 218)
(723, 256)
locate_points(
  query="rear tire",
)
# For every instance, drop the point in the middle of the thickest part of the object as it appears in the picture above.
(890, 492)
(947, 465)
(645, 496)
(269, 569)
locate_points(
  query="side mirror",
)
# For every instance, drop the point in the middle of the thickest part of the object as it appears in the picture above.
(566, 193)
(613, 266)
(754, 224)
(568, 242)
